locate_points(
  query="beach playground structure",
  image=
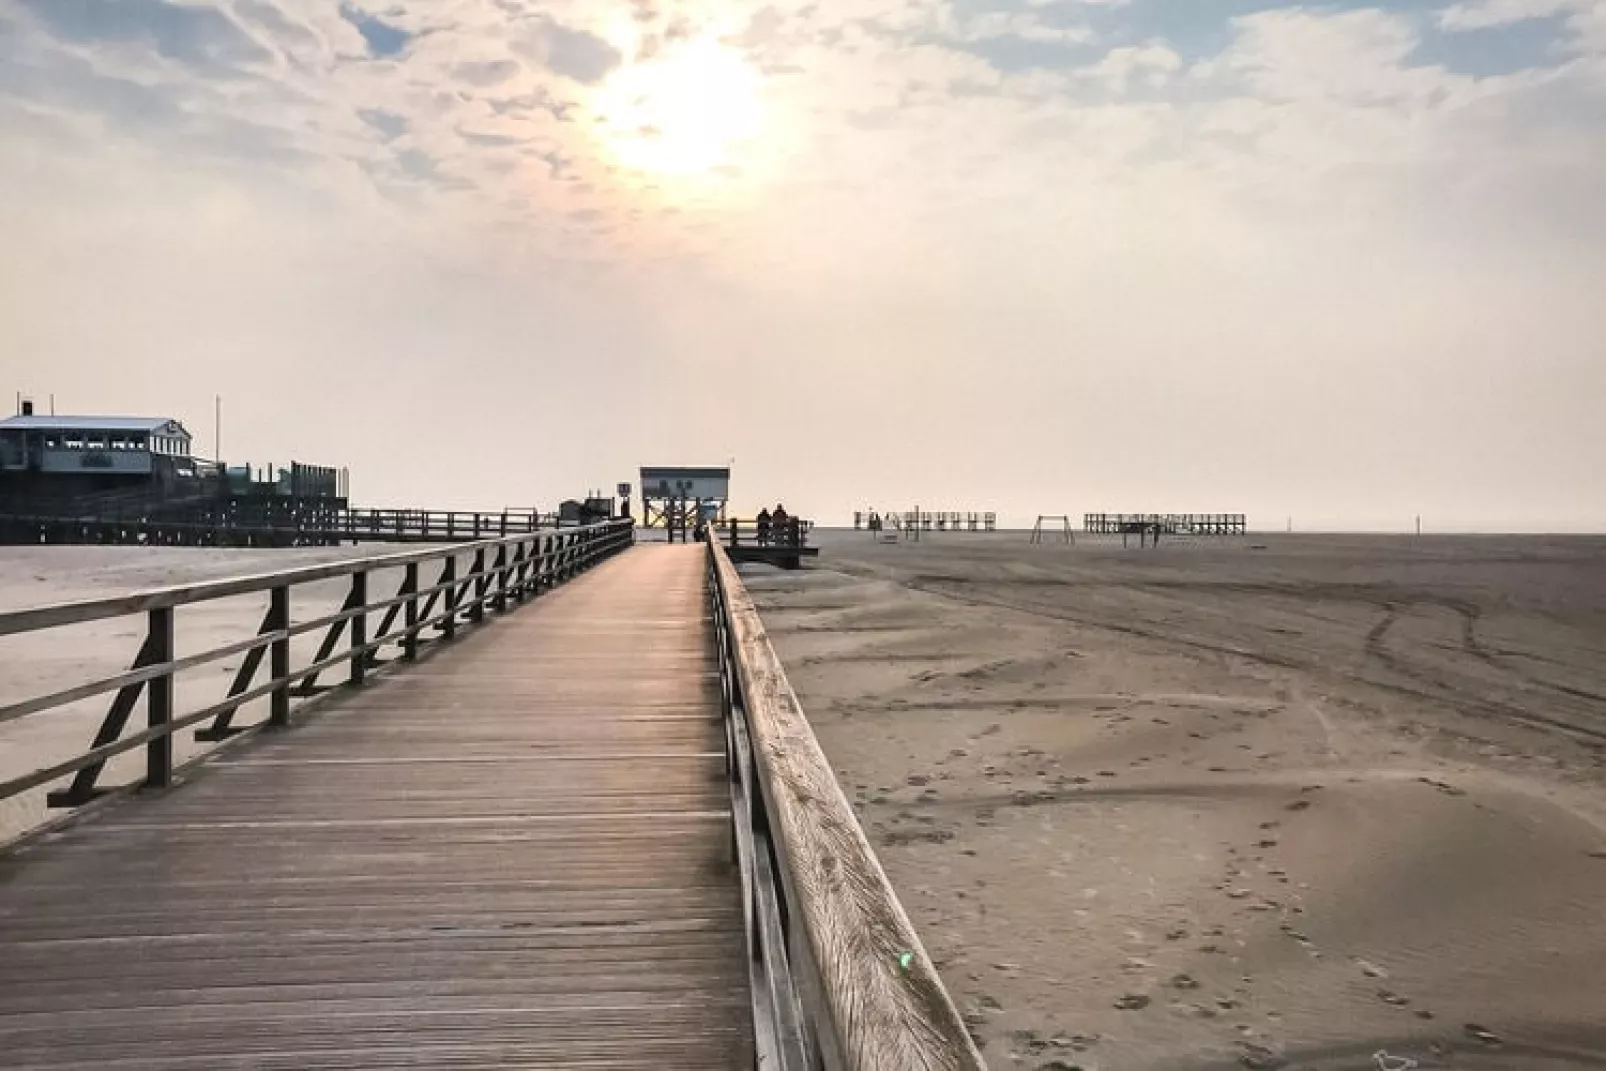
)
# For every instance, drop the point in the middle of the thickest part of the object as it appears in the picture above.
(1218, 524)
(538, 801)
(1053, 526)
(917, 520)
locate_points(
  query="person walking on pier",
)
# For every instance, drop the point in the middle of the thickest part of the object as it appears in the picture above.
(782, 525)
(763, 522)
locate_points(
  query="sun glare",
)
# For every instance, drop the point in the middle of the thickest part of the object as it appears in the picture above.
(684, 111)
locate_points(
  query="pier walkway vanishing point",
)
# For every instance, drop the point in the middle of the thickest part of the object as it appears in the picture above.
(596, 832)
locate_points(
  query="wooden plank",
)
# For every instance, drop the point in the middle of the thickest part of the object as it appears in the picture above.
(883, 1016)
(496, 861)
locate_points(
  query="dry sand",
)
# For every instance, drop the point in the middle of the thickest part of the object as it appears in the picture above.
(1324, 800)
(37, 663)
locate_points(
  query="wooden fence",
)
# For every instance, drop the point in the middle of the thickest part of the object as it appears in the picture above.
(840, 978)
(501, 572)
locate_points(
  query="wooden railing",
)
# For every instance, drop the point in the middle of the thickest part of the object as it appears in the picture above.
(500, 573)
(264, 520)
(793, 532)
(438, 525)
(840, 979)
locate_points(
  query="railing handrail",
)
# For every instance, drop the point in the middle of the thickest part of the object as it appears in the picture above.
(78, 611)
(500, 573)
(852, 964)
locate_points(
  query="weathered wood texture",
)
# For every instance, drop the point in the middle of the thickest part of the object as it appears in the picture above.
(513, 855)
(883, 1016)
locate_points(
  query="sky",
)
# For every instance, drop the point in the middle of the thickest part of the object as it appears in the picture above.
(1341, 263)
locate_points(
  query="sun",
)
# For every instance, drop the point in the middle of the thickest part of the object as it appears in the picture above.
(686, 110)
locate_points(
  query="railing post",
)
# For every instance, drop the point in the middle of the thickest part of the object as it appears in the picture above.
(521, 571)
(476, 612)
(449, 578)
(359, 625)
(410, 609)
(159, 702)
(501, 573)
(279, 657)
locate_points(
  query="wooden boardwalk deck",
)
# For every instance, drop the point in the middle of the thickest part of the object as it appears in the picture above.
(514, 854)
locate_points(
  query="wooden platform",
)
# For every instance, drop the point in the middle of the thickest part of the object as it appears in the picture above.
(786, 557)
(512, 855)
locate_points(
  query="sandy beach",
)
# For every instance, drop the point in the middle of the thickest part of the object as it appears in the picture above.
(1336, 802)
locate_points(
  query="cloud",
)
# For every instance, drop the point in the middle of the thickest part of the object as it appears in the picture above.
(202, 38)
(576, 54)
(1483, 14)
(1317, 228)
(383, 39)
(485, 73)
(389, 124)
(1026, 26)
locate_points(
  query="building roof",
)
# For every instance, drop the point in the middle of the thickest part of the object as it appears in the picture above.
(91, 423)
(681, 472)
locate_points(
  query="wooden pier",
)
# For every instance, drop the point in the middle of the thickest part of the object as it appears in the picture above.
(785, 546)
(509, 859)
(595, 832)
